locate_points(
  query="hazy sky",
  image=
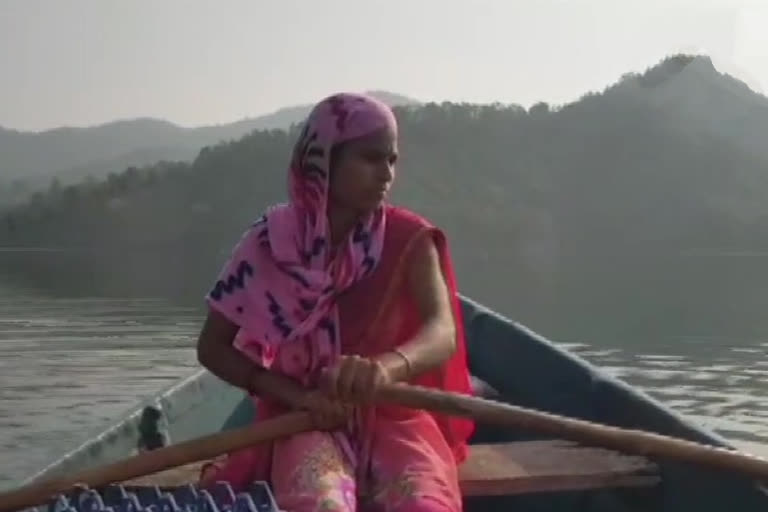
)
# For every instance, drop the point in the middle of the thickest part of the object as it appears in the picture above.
(82, 62)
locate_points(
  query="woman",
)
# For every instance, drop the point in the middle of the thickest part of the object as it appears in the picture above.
(329, 297)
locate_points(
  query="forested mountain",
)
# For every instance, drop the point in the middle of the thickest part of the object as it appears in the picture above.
(668, 160)
(29, 161)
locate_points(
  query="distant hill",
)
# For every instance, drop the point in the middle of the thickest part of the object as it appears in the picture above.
(701, 100)
(72, 154)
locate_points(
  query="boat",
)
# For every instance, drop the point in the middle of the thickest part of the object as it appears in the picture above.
(507, 469)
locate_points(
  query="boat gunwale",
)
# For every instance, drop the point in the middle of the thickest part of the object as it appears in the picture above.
(592, 369)
(130, 416)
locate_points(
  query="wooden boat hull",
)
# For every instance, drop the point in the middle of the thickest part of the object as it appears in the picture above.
(525, 369)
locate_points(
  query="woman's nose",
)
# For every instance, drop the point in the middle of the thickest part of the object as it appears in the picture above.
(386, 172)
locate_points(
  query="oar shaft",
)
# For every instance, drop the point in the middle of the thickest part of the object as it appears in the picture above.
(634, 442)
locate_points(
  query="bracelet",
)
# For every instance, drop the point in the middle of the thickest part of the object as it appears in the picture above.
(408, 366)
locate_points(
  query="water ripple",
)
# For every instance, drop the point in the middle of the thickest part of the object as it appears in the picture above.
(722, 386)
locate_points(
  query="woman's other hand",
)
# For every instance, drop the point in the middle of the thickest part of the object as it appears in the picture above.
(354, 379)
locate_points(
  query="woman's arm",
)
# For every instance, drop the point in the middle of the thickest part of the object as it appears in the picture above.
(355, 378)
(435, 342)
(216, 352)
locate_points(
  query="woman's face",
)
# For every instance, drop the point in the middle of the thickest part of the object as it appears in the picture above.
(362, 171)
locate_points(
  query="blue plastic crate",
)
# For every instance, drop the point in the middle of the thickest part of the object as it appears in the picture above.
(187, 498)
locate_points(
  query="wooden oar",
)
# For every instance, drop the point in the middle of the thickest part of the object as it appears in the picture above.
(481, 410)
(146, 463)
(635, 442)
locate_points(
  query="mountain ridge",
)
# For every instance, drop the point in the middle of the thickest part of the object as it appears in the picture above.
(389, 97)
(70, 153)
(694, 95)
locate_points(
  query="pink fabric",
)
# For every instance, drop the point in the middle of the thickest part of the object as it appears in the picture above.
(409, 475)
(279, 285)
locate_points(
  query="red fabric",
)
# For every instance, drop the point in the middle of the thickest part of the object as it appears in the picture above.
(401, 319)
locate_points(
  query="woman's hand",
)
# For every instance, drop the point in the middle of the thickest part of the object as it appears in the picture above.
(354, 379)
(327, 414)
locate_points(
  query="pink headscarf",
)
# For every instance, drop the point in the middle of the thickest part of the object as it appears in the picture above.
(279, 284)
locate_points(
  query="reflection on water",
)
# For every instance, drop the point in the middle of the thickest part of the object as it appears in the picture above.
(70, 363)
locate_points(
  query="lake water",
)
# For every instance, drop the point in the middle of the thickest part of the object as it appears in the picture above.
(74, 358)
(69, 366)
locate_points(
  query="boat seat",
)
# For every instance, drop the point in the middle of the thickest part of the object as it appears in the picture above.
(520, 467)
(524, 467)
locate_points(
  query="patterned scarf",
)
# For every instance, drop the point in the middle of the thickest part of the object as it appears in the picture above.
(280, 285)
